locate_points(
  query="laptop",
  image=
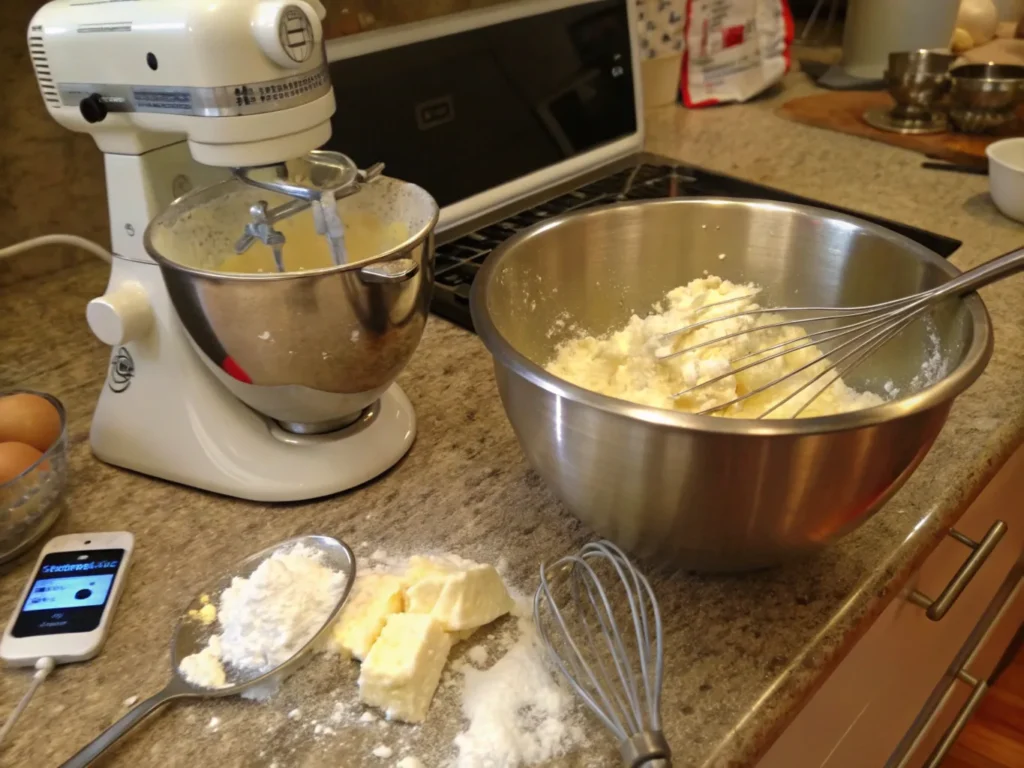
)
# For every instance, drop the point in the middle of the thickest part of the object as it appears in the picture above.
(511, 115)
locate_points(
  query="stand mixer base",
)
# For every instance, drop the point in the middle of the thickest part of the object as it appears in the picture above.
(270, 464)
(163, 413)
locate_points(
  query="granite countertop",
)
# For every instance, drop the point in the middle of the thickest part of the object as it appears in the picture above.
(743, 652)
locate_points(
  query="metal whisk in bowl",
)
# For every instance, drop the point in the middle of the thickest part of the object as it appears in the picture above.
(850, 343)
(599, 619)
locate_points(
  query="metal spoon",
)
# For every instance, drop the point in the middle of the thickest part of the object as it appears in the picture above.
(190, 637)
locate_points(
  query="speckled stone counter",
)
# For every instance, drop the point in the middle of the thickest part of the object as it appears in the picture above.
(743, 652)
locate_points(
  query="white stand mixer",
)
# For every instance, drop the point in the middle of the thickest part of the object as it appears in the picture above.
(246, 84)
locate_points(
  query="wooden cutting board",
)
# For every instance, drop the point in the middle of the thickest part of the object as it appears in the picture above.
(843, 110)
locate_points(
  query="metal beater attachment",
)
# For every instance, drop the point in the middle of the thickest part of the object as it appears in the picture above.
(262, 228)
(850, 343)
(317, 180)
(599, 619)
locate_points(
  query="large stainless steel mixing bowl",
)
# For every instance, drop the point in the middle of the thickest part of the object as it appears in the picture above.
(310, 349)
(707, 492)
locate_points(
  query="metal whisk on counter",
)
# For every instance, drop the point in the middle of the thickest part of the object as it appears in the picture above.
(854, 341)
(599, 619)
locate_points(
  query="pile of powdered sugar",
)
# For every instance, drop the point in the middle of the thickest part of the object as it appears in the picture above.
(266, 618)
(518, 713)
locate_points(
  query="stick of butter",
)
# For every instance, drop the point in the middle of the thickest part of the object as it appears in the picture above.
(458, 593)
(375, 597)
(403, 668)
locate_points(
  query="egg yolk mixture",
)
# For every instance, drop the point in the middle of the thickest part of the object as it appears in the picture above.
(624, 363)
(366, 236)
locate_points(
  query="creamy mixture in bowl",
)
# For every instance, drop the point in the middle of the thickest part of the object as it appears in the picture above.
(625, 362)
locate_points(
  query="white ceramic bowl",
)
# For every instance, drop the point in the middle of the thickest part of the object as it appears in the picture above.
(1006, 176)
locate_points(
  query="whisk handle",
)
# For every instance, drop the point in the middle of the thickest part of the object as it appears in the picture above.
(646, 750)
(989, 272)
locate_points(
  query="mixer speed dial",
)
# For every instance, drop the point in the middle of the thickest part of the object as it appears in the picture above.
(288, 33)
(121, 315)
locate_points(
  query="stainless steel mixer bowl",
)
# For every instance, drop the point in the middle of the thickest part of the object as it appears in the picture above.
(707, 492)
(310, 349)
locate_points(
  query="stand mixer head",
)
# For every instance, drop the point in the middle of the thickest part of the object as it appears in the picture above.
(245, 82)
(206, 348)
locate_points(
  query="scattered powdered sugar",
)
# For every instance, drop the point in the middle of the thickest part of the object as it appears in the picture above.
(562, 322)
(518, 712)
(204, 668)
(340, 712)
(266, 618)
(934, 368)
(478, 655)
(936, 365)
(382, 751)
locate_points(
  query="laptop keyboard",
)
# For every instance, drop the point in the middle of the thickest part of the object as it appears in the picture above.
(457, 263)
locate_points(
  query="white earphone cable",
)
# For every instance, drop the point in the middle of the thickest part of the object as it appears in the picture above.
(44, 667)
(73, 240)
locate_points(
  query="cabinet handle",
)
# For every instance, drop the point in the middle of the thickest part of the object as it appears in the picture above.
(939, 607)
(980, 688)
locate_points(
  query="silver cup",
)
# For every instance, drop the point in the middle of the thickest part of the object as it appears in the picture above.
(917, 81)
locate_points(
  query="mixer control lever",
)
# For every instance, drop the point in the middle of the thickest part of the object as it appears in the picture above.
(121, 315)
(92, 108)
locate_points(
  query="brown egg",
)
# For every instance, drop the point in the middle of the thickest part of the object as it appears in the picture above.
(31, 419)
(15, 458)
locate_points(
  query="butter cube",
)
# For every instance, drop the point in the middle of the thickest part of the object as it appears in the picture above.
(421, 596)
(403, 668)
(425, 578)
(460, 594)
(374, 597)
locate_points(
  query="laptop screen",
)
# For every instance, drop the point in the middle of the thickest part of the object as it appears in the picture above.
(467, 112)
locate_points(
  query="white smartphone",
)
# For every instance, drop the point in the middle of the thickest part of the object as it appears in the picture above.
(65, 610)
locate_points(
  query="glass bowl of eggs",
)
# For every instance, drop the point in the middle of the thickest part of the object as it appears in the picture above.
(33, 467)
